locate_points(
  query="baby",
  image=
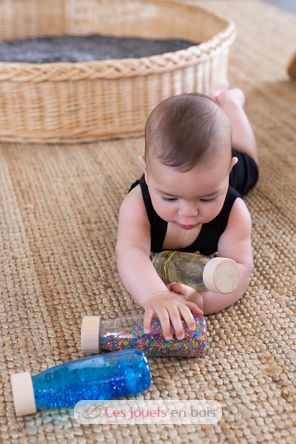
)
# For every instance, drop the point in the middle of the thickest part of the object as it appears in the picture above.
(200, 159)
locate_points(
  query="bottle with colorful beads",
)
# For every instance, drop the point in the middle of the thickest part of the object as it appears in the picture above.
(109, 376)
(127, 332)
(200, 272)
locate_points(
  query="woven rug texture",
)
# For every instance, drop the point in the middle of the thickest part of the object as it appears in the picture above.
(59, 207)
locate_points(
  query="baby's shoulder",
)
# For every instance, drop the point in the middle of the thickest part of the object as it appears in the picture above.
(133, 205)
(239, 219)
(235, 242)
(239, 210)
(133, 197)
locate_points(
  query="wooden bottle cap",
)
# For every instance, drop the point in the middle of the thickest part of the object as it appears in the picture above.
(90, 328)
(23, 394)
(221, 275)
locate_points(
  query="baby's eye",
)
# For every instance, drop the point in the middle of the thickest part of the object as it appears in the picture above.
(211, 199)
(169, 199)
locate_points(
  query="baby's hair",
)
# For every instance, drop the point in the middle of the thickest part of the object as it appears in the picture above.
(186, 129)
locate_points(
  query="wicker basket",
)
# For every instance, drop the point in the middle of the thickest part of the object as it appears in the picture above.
(79, 102)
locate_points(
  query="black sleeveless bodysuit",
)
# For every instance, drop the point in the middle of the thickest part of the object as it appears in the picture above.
(207, 240)
(242, 179)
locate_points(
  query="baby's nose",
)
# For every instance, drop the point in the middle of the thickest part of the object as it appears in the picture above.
(188, 209)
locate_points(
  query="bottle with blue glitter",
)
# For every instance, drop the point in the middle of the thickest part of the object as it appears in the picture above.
(110, 376)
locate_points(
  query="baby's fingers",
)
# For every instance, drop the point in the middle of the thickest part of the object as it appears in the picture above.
(188, 317)
(194, 308)
(177, 321)
(164, 320)
(181, 289)
(147, 320)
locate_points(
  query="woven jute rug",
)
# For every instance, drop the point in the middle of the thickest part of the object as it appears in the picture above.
(58, 223)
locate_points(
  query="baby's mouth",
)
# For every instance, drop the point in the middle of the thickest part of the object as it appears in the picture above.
(187, 227)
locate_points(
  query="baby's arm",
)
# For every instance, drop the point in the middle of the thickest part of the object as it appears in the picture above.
(138, 274)
(235, 243)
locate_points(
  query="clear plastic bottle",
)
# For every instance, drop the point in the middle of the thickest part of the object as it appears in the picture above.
(127, 332)
(109, 376)
(198, 271)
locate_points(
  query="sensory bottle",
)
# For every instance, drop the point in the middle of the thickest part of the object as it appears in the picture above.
(200, 272)
(103, 377)
(127, 332)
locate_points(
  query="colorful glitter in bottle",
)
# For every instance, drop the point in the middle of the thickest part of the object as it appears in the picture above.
(109, 376)
(127, 332)
(199, 272)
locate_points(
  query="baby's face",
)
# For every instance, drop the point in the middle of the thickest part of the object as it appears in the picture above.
(190, 198)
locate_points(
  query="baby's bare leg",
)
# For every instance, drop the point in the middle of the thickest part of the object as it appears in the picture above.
(232, 102)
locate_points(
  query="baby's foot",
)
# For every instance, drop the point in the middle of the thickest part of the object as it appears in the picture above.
(224, 96)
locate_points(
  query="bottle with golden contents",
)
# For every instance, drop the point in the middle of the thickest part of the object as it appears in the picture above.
(198, 271)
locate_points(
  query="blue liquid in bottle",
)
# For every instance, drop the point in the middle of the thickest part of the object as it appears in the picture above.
(110, 376)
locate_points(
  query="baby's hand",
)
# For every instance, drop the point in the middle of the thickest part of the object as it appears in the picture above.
(170, 308)
(187, 292)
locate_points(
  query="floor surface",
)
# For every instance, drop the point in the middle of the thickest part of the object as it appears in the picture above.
(286, 5)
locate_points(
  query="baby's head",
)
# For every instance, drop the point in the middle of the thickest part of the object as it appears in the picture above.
(185, 130)
(187, 159)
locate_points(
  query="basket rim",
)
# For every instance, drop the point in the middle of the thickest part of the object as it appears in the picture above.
(125, 67)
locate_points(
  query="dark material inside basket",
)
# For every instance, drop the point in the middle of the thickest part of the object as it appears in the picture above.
(85, 48)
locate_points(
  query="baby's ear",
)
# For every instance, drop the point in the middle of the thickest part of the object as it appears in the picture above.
(234, 161)
(142, 161)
